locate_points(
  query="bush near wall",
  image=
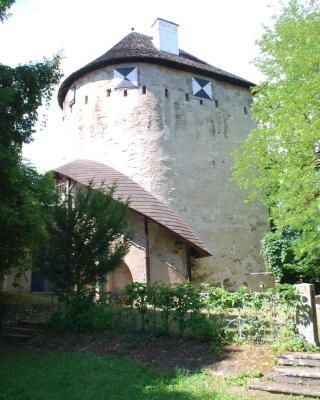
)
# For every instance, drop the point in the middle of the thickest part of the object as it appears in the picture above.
(210, 313)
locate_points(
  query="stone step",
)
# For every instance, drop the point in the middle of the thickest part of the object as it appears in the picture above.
(15, 337)
(286, 388)
(302, 355)
(304, 372)
(274, 377)
(33, 324)
(297, 361)
(23, 329)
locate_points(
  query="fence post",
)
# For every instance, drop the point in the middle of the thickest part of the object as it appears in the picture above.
(308, 326)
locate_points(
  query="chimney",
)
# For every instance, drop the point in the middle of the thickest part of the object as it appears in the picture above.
(165, 36)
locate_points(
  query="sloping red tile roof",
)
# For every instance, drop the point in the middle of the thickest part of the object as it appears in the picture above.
(136, 47)
(86, 171)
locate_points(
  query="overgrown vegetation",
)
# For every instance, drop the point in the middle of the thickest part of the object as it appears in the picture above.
(279, 163)
(279, 257)
(206, 313)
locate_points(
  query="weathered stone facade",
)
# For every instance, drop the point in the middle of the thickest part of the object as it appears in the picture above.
(177, 147)
(167, 257)
(22, 284)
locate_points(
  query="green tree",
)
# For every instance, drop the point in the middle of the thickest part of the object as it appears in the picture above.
(278, 164)
(4, 9)
(25, 195)
(88, 238)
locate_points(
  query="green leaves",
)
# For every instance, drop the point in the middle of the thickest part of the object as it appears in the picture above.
(25, 195)
(214, 312)
(88, 237)
(4, 7)
(277, 251)
(22, 91)
(277, 164)
(25, 200)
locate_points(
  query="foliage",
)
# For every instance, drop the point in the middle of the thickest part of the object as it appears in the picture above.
(4, 9)
(57, 375)
(205, 313)
(186, 300)
(294, 344)
(242, 378)
(277, 251)
(88, 238)
(23, 90)
(25, 200)
(138, 295)
(278, 164)
(25, 195)
(78, 317)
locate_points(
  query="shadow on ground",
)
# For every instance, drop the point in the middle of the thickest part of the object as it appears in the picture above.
(32, 374)
(164, 352)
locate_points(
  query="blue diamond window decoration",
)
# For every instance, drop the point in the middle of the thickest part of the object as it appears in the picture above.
(125, 77)
(201, 88)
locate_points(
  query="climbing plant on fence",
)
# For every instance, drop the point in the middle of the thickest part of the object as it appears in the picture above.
(203, 312)
(215, 312)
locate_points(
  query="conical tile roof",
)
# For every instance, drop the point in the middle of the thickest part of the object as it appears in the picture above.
(137, 47)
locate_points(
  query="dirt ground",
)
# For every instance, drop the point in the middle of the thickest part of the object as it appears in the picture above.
(163, 351)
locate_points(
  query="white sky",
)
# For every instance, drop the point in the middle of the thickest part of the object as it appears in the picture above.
(221, 32)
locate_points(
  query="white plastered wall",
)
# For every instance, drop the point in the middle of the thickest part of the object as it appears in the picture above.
(180, 151)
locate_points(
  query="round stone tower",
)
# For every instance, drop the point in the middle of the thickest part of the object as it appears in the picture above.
(170, 122)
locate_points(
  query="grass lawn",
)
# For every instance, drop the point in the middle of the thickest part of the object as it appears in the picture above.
(22, 298)
(34, 375)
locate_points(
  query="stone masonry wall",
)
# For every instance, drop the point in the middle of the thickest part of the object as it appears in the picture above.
(167, 254)
(180, 151)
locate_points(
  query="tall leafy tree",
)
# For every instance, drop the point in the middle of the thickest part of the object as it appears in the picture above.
(88, 238)
(25, 195)
(278, 164)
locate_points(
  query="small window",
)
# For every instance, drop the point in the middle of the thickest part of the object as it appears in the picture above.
(72, 96)
(201, 102)
(86, 100)
(144, 89)
(166, 92)
(125, 93)
(245, 110)
(108, 92)
(187, 96)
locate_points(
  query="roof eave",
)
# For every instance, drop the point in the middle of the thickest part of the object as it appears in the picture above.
(200, 251)
(151, 60)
